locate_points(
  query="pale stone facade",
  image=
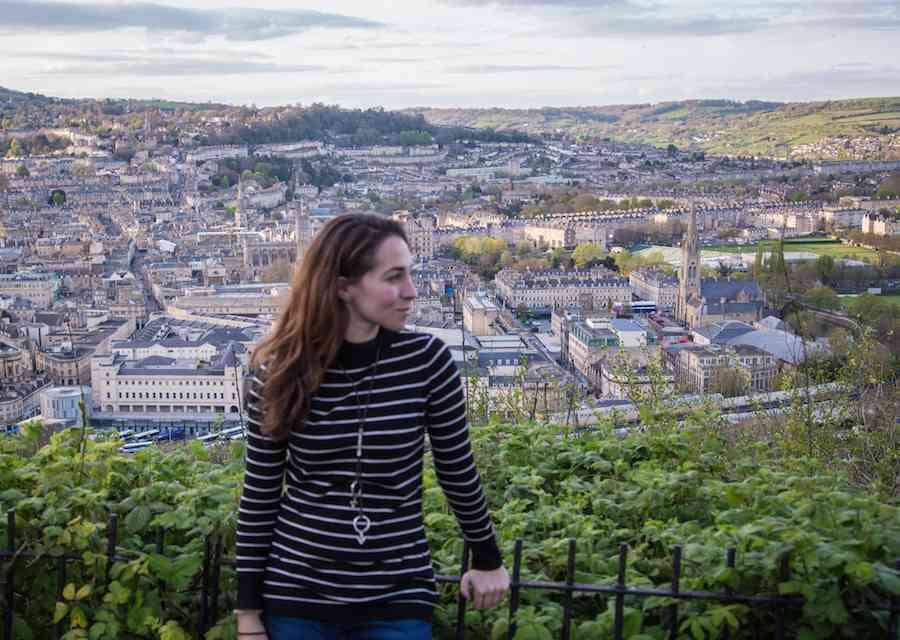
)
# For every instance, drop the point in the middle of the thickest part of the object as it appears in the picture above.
(419, 232)
(697, 368)
(589, 289)
(479, 313)
(40, 288)
(655, 286)
(881, 224)
(550, 237)
(166, 385)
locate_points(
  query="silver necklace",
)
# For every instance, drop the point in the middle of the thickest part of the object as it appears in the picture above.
(361, 522)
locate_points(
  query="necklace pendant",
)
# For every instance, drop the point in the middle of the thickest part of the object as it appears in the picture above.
(361, 524)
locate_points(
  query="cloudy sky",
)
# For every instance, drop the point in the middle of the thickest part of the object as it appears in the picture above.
(468, 53)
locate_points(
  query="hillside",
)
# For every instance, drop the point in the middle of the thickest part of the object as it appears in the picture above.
(10, 96)
(866, 128)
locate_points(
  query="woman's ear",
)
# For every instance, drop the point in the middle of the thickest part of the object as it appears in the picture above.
(343, 286)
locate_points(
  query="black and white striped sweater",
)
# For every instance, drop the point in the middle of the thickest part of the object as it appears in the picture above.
(297, 552)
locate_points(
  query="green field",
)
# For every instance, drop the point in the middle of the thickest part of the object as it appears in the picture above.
(893, 298)
(833, 248)
(715, 126)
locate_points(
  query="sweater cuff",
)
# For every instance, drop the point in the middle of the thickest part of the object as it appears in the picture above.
(250, 591)
(486, 555)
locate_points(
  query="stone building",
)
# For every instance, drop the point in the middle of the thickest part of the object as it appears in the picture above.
(655, 286)
(698, 367)
(40, 288)
(699, 303)
(550, 237)
(420, 232)
(479, 315)
(167, 385)
(549, 288)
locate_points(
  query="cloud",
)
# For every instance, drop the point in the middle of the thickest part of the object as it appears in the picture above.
(663, 18)
(825, 84)
(164, 62)
(564, 4)
(233, 24)
(708, 25)
(528, 68)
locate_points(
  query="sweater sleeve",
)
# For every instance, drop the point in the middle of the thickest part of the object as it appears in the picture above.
(453, 460)
(260, 499)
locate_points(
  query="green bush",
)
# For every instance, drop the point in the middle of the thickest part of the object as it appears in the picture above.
(650, 490)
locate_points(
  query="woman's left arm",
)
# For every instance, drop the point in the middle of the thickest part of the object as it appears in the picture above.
(459, 479)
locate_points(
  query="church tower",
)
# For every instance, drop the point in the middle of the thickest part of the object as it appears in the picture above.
(240, 212)
(689, 278)
(302, 229)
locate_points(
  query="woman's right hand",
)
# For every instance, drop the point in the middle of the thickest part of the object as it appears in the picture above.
(250, 626)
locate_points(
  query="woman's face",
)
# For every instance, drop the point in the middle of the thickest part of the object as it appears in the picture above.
(384, 295)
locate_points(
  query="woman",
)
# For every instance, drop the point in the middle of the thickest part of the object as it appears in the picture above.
(330, 538)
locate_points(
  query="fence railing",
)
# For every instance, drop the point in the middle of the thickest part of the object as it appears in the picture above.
(213, 560)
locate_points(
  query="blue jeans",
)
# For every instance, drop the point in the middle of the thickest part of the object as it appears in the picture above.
(288, 628)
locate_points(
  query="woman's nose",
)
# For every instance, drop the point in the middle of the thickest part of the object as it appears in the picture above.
(410, 289)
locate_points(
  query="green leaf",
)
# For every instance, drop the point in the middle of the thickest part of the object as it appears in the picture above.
(60, 612)
(79, 617)
(21, 630)
(533, 631)
(171, 630)
(697, 630)
(888, 578)
(498, 631)
(138, 518)
(69, 591)
(83, 592)
(863, 571)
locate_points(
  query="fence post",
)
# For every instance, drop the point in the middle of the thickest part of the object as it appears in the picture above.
(60, 586)
(619, 622)
(567, 601)
(214, 588)
(160, 547)
(461, 601)
(10, 574)
(112, 532)
(204, 590)
(676, 585)
(894, 603)
(784, 574)
(730, 556)
(514, 589)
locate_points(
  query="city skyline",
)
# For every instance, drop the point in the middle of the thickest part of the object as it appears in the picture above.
(452, 53)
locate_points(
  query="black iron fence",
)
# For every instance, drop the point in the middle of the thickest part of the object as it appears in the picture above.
(783, 608)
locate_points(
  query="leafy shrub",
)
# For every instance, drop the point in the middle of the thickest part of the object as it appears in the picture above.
(650, 490)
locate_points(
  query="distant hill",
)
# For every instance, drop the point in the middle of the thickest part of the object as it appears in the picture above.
(21, 97)
(803, 129)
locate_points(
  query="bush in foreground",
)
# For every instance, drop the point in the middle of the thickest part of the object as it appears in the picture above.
(650, 490)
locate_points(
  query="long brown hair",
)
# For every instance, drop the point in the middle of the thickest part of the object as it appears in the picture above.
(312, 324)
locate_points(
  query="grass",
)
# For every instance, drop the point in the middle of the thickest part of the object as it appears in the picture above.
(893, 298)
(833, 248)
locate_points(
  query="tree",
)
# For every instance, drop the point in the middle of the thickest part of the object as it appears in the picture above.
(825, 268)
(823, 298)
(730, 382)
(22, 171)
(58, 197)
(587, 253)
(523, 312)
(723, 269)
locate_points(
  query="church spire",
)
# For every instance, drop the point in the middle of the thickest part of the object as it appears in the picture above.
(689, 277)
